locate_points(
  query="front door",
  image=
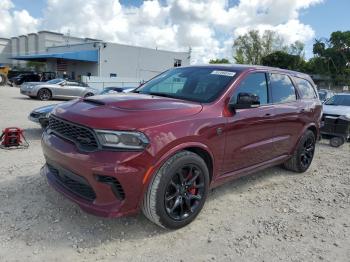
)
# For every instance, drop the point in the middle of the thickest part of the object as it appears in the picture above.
(249, 132)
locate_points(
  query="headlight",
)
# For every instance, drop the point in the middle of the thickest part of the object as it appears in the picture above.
(347, 116)
(122, 139)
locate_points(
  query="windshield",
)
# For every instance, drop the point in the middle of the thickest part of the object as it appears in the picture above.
(197, 84)
(339, 100)
(55, 81)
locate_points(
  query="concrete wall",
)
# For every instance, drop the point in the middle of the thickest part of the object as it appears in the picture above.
(5, 51)
(23, 45)
(32, 43)
(138, 63)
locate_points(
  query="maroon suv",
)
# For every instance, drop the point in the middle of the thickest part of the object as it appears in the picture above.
(162, 147)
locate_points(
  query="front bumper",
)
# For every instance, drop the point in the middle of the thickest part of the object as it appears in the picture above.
(127, 168)
(27, 92)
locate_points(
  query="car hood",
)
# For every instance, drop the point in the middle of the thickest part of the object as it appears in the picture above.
(126, 111)
(336, 110)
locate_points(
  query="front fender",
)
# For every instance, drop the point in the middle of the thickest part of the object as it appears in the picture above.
(152, 171)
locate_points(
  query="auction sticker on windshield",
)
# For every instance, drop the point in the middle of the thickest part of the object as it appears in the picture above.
(223, 73)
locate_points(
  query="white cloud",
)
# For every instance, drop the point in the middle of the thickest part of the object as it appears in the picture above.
(207, 26)
(13, 22)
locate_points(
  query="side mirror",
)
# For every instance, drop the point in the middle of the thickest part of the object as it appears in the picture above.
(244, 101)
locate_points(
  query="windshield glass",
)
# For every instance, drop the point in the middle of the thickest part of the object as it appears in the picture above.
(54, 81)
(197, 84)
(339, 100)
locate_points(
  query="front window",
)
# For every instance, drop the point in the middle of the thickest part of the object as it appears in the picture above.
(197, 84)
(339, 100)
(254, 84)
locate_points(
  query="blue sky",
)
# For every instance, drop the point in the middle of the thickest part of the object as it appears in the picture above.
(206, 41)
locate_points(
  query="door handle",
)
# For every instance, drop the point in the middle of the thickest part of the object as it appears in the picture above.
(267, 114)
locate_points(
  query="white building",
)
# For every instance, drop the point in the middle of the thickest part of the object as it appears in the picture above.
(91, 59)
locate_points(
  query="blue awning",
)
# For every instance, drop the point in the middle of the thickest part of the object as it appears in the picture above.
(83, 55)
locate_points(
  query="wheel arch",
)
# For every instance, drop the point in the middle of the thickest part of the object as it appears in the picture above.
(312, 127)
(198, 148)
(42, 88)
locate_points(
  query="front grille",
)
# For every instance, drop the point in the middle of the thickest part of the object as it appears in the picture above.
(74, 183)
(329, 115)
(82, 136)
(116, 187)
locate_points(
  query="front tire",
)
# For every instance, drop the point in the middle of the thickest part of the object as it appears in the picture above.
(44, 94)
(303, 155)
(178, 191)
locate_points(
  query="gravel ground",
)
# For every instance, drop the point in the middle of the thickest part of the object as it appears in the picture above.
(274, 215)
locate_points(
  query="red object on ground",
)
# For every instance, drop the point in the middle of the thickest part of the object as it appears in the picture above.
(11, 136)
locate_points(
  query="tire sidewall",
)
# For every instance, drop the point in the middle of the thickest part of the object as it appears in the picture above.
(166, 174)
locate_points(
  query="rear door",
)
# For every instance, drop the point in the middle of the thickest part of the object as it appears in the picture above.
(249, 132)
(289, 112)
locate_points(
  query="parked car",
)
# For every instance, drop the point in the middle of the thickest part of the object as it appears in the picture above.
(58, 88)
(41, 115)
(22, 78)
(336, 119)
(325, 94)
(161, 147)
(115, 89)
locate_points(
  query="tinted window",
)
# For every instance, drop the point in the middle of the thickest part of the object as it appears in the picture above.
(189, 83)
(339, 100)
(322, 95)
(305, 88)
(255, 84)
(282, 89)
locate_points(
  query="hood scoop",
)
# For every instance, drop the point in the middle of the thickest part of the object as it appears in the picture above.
(93, 101)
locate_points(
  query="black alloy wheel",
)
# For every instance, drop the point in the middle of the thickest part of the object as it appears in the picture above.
(184, 192)
(307, 152)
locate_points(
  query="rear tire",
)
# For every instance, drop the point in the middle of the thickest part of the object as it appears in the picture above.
(178, 191)
(303, 155)
(44, 94)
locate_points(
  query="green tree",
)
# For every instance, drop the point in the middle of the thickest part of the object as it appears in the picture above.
(252, 47)
(219, 61)
(332, 57)
(284, 60)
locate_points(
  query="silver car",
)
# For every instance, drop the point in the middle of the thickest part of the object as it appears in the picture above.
(57, 88)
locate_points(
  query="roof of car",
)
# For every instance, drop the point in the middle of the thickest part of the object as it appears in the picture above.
(241, 68)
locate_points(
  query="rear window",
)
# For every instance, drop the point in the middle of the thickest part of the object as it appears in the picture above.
(282, 88)
(305, 88)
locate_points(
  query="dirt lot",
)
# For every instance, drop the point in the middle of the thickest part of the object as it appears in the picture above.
(274, 215)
